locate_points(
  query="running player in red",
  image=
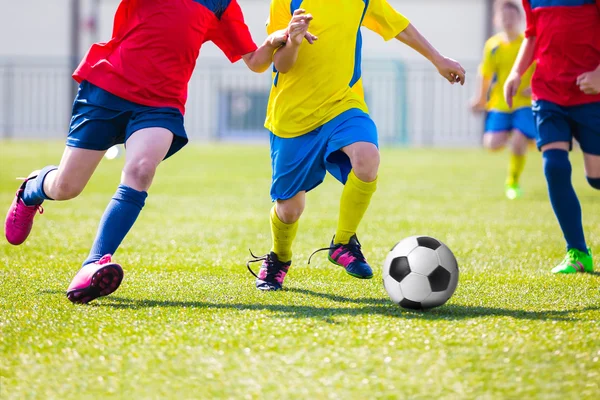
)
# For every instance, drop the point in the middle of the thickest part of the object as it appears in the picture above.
(563, 37)
(133, 90)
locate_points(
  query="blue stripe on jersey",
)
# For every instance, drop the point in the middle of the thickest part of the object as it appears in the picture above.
(294, 5)
(560, 3)
(494, 50)
(276, 79)
(217, 7)
(358, 51)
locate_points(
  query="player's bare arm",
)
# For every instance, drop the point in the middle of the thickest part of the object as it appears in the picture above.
(447, 67)
(522, 64)
(589, 82)
(286, 56)
(261, 59)
(483, 87)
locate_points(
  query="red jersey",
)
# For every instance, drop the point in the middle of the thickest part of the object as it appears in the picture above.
(567, 44)
(152, 54)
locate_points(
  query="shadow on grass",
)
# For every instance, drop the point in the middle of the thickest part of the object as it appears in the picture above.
(371, 306)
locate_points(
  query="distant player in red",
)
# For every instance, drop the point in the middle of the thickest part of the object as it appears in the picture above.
(133, 90)
(563, 37)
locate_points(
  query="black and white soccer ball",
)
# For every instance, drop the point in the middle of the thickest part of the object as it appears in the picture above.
(420, 272)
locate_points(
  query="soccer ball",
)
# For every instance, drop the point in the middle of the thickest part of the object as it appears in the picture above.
(420, 272)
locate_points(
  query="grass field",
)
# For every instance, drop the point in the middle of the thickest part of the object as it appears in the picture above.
(188, 323)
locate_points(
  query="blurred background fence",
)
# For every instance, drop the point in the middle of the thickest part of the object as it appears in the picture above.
(410, 103)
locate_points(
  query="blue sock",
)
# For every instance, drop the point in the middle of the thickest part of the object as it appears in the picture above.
(118, 218)
(34, 195)
(594, 182)
(567, 209)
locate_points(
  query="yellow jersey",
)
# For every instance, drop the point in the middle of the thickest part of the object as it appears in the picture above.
(326, 80)
(499, 56)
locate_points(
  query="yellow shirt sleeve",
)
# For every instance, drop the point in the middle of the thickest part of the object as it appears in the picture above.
(487, 69)
(279, 15)
(384, 20)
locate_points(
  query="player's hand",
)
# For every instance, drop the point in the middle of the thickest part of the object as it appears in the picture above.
(298, 28)
(589, 82)
(511, 87)
(451, 70)
(278, 38)
(478, 105)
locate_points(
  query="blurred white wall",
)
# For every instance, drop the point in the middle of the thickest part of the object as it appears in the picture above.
(41, 27)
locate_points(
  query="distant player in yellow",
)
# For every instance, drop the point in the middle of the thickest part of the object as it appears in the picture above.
(319, 122)
(499, 55)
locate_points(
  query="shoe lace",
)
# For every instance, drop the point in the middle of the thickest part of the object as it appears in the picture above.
(22, 214)
(273, 268)
(352, 248)
(573, 255)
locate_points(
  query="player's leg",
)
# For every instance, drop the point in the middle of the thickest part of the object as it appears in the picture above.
(92, 131)
(99, 276)
(586, 129)
(358, 190)
(524, 132)
(592, 169)
(497, 130)
(284, 225)
(353, 158)
(554, 140)
(297, 168)
(151, 135)
(516, 165)
(50, 183)
(495, 141)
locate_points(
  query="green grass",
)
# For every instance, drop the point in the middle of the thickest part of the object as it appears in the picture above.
(188, 323)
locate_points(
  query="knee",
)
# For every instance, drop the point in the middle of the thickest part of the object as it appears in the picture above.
(594, 182)
(494, 142)
(64, 190)
(140, 172)
(289, 211)
(365, 162)
(556, 164)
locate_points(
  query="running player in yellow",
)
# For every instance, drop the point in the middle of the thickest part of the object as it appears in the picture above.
(319, 122)
(499, 55)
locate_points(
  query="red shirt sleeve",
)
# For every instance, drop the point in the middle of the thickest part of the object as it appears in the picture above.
(231, 34)
(530, 30)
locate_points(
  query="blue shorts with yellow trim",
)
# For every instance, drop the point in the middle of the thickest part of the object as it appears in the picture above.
(301, 163)
(557, 123)
(101, 120)
(520, 120)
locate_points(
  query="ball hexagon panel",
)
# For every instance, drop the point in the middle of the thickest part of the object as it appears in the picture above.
(415, 287)
(405, 246)
(392, 287)
(399, 268)
(439, 279)
(423, 260)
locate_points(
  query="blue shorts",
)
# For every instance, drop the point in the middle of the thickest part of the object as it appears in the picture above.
(520, 120)
(300, 163)
(100, 120)
(561, 124)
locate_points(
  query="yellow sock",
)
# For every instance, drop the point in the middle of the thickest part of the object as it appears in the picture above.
(353, 205)
(283, 236)
(515, 168)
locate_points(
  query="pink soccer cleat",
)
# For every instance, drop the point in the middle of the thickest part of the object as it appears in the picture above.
(95, 280)
(19, 219)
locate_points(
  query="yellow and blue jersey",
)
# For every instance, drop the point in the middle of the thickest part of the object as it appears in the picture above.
(499, 55)
(326, 79)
